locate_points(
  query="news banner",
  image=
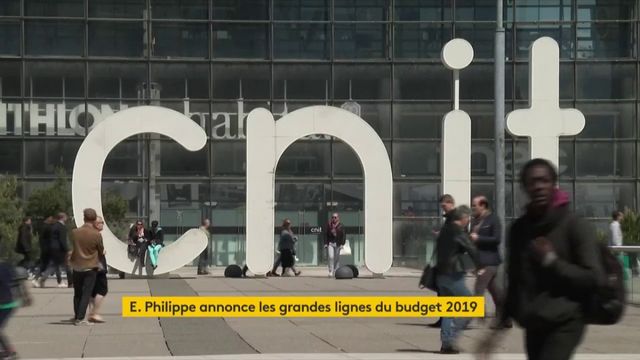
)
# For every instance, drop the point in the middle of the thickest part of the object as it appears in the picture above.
(302, 306)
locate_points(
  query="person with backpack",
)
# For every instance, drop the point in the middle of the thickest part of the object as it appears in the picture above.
(13, 294)
(554, 266)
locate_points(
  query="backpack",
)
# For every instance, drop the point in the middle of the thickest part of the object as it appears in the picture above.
(605, 305)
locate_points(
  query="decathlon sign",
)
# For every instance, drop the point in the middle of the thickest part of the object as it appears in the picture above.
(266, 140)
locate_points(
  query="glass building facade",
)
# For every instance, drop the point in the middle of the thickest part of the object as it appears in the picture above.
(65, 65)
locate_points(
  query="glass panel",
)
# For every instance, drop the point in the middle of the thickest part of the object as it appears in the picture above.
(11, 118)
(475, 10)
(418, 120)
(10, 35)
(241, 81)
(43, 157)
(606, 40)
(63, 8)
(10, 159)
(413, 240)
(600, 200)
(116, 80)
(180, 40)
(422, 10)
(360, 10)
(522, 81)
(241, 10)
(132, 192)
(180, 9)
(229, 196)
(424, 81)
(362, 81)
(481, 36)
(345, 161)
(606, 10)
(301, 41)
(244, 41)
(181, 207)
(316, 10)
(229, 158)
(416, 199)
(544, 10)
(378, 115)
(10, 84)
(360, 41)
(116, 39)
(483, 161)
(181, 81)
(300, 196)
(55, 79)
(301, 81)
(482, 118)
(126, 159)
(417, 41)
(61, 37)
(605, 159)
(117, 8)
(526, 34)
(416, 159)
(567, 159)
(608, 120)
(306, 158)
(477, 82)
(10, 8)
(178, 161)
(615, 81)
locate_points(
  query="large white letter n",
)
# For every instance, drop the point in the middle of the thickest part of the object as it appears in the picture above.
(267, 140)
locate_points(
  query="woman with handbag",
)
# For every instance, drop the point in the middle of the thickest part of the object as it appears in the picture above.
(334, 240)
(138, 239)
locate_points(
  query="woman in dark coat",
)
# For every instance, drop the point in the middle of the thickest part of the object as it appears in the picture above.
(286, 246)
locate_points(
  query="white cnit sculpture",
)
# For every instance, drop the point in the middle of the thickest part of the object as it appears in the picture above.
(87, 179)
(544, 122)
(268, 139)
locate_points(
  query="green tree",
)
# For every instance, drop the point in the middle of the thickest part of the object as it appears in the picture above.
(52, 199)
(10, 217)
(114, 206)
(630, 226)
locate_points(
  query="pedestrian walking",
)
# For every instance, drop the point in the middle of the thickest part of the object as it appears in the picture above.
(101, 287)
(615, 230)
(58, 250)
(452, 245)
(553, 266)
(447, 206)
(334, 240)
(13, 294)
(286, 246)
(44, 239)
(23, 244)
(203, 260)
(486, 236)
(85, 260)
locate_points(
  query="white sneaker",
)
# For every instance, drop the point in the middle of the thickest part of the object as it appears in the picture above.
(62, 285)
(82, 323)
(35, 283)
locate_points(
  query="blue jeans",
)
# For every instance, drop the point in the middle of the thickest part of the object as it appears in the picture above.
(452, 285)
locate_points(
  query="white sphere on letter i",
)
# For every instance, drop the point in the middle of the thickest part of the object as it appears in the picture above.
(457, 54)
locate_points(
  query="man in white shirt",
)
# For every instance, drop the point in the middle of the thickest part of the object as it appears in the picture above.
(614, 228)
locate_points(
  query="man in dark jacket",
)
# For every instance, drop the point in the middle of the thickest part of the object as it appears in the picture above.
(486, 236)
(447, 205)
(452, 244)
(44, 239)
(552, 267)
(23, 243)
(58, 251)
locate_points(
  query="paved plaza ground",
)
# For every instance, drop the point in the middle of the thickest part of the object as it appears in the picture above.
(42, 331)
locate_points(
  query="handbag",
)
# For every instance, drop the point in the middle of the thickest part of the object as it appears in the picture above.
(428, 278)
(346, 248)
